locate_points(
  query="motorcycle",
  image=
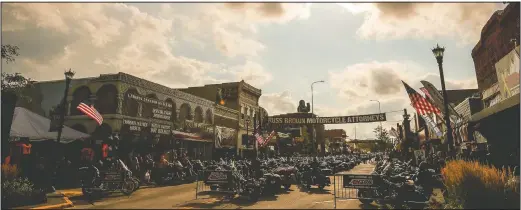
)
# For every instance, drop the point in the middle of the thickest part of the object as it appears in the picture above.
(309, 178)
(168, 174)
(287, 176)
(95, 183)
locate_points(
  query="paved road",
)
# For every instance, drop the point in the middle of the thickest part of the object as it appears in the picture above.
(183, 197)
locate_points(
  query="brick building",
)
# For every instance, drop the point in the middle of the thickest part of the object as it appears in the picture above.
(495, 43)
(242, 103)
(144, 113)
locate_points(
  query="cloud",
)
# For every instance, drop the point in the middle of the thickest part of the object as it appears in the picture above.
(278, 103)
(360, 83)
(252, 73)
(462, 21)
(232, 27)
(139, 39)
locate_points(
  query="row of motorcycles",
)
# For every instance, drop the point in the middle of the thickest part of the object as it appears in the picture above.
(400, 183)
(272, 176)
(113, 175)
(267, 177)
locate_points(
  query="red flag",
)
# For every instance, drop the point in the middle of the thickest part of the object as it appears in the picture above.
(419, 103)
(91, 112)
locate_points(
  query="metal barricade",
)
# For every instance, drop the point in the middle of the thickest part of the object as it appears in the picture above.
(215, 182)
(346, 186)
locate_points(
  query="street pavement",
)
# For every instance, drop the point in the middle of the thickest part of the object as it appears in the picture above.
(183, 197)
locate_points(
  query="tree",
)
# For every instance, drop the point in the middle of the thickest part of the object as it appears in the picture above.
(14, 88)
(382, 134)
(9, 52)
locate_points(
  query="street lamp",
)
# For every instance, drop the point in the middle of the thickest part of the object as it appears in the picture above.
(68, 78)
(313, 115)
(380, 111)
(438, 54)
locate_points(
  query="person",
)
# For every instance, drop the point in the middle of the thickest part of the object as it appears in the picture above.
(26, 147)
(7, 160)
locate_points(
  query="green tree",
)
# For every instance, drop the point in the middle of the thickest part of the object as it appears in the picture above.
(9, 52)
(382, 134)
(14, 88)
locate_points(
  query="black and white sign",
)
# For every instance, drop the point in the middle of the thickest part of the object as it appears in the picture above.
(217, 177)
(161, 114)
(360, 181)
(137, 126)
(149, 100)
(329, 120)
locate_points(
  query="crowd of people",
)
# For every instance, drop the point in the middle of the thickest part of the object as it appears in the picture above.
(58, 170)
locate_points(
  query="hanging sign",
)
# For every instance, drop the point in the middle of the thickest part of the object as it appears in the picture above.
(329, 120)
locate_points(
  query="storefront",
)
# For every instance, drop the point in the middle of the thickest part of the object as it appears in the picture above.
(499, 124)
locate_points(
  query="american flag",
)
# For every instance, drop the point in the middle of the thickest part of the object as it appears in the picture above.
(91, 112)
(259, 138)
(426, 92)
(419, 103)
(267, 140)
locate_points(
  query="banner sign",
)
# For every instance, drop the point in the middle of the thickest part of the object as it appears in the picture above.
(358, 181)
(432, 125)
(137, 126)
(217, 177)
(329, 120)
(437, 98)
(149, 100)
(161, 114)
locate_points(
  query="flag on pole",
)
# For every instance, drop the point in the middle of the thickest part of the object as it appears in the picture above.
(259, 138)
(267, 140)
(419, 103)
(218, 137)
(394, 133)
(91, 112)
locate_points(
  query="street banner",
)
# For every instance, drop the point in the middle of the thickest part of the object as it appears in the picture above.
(437, 98)
(358, 181)
(380, 117)
(432, 125)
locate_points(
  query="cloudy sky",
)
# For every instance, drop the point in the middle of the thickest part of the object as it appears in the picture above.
(361, 50)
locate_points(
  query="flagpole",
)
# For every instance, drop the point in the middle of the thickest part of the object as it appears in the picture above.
(255, 123)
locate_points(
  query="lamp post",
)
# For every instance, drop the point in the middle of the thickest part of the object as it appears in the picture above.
(380, 111)
(438, 54)
(68, 78)
(313, 115)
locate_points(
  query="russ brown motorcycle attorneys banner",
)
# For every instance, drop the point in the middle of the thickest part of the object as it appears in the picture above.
(329, 120)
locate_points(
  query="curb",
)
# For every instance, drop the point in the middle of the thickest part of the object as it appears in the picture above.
(66, 204)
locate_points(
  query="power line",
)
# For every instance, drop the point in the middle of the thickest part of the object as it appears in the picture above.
(394, 111)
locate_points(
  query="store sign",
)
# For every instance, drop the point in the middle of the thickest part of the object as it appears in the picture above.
(149, 100)
(161, 114)
(137, 126)
(507, 71)
(329, 120)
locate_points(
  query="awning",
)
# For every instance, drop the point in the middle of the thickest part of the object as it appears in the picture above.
(502, 105)
(27, 124)
(189, 136)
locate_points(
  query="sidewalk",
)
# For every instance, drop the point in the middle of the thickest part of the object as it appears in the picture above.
(57, 200)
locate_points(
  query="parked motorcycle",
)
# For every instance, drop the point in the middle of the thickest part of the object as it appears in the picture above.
(95, 183)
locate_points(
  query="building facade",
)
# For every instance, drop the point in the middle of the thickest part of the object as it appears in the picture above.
(142, 112)
(336, 139)
(498, 37)
(240, 105)
(300, 135)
